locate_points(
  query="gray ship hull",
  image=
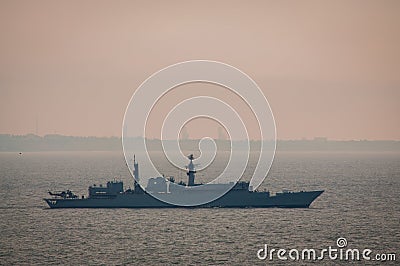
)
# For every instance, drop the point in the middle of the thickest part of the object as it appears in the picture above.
(232, 199)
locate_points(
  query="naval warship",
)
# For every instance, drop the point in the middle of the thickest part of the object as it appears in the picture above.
(113, 195)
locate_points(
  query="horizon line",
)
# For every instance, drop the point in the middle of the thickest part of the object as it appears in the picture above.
(317, 138)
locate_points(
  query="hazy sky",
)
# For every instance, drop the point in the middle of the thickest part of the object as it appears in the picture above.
(328, 68)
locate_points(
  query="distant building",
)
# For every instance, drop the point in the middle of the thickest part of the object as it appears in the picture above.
(221, 134)
(184, 134)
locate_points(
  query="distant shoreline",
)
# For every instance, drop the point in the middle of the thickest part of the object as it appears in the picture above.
(31, 142)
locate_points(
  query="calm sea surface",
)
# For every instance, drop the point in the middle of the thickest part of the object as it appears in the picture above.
(361, 203)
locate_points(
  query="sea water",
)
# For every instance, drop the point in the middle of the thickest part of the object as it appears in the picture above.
(361, 203)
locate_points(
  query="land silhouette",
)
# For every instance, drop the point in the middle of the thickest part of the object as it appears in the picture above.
(54, 142)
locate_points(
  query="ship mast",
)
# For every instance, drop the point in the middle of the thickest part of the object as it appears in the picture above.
(135, 169)
(191, 171)
(135, 173)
